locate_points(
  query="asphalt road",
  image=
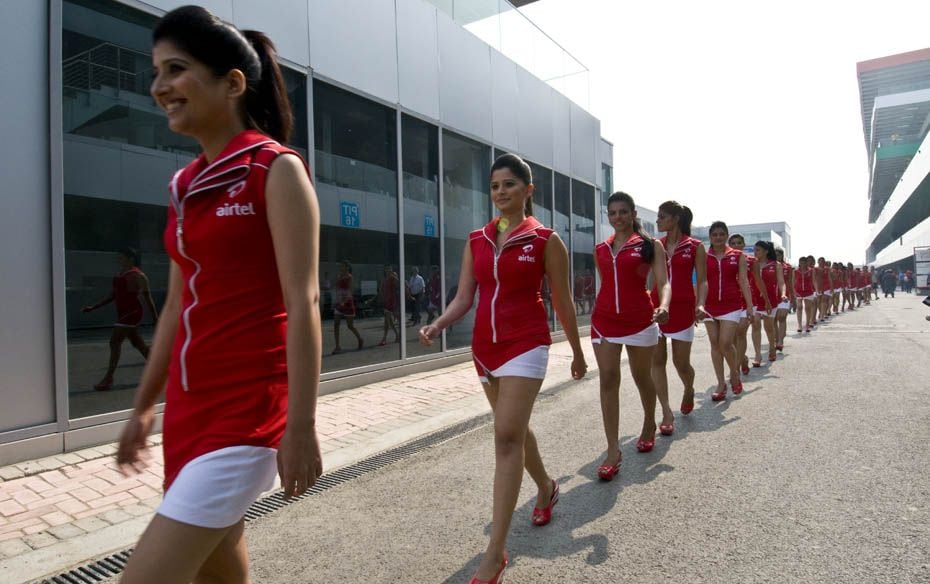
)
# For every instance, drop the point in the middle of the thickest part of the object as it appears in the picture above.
(818, 473)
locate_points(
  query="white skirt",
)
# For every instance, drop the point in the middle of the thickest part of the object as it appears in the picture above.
(734, 316)
(647, 337)
(784, 305)
(216, 489)
(811, 297)
(532, 364)
(686, 335)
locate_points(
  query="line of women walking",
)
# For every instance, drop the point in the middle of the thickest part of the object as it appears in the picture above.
(237, 348)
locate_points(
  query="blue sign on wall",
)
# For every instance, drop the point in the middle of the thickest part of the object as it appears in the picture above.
(349, 214)
(429, 226)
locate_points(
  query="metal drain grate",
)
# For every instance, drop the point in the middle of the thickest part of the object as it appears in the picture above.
(103, 569)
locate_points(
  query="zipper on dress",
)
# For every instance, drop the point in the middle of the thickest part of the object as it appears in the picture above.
(186, 315)
(497, 287)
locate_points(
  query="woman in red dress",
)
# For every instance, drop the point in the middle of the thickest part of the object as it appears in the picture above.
(685, 256)
(128, 286)
(344, 305)
(507, 261)
(805, 293)
(625, 315)
(770, 281)
(237, 350)
(727, 301)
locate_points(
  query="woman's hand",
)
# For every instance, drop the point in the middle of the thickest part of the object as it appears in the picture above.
(300, 462)
(750, 314)
(579, 367)
(700, 313)
(660, 315)
(132, 450)
(428, 333)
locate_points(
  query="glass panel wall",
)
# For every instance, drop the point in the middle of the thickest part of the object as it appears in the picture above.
(119, 156)
(583, 250)
(356, 181)
(561, 216)
(467, 200)
(423, 287)
(542, 209)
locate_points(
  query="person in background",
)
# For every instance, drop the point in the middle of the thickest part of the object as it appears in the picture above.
(388, 295)
(128, 286)
(416, 288)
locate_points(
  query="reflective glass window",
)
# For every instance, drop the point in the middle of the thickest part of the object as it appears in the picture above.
(583, 218)
(423, 280)
(356, 181)
(467, 206)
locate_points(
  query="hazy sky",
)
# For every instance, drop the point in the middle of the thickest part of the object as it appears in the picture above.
(744, 113)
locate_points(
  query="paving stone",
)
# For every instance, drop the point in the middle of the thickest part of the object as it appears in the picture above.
(90, 523)
(137, 510)
(9, 473)
(66, 531)
(13, 547)
(40, 540)
(115, 516)
(69, 458)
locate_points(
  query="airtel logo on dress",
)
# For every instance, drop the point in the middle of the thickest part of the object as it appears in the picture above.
(228, 210)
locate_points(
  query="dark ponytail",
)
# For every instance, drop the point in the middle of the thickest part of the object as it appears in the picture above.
(266, 104)
(521, 170)
(684, 214)
(221, 48)
(648, 243)
(769, 248)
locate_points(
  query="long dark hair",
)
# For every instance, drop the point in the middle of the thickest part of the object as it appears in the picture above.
(222, 48)
(521, 170)
(132, 255)
(684, 214)
(719, 225)
(769, 248)
(648, 243)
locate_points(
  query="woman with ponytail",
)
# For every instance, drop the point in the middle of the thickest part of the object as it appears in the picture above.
(237, 350)
(686, 256)
(506, 262)
(624, 314)
(770, 281)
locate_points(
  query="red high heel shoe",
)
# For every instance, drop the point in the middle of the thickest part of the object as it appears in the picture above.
(757, 363)
(667, 429)
(779, 347)
(772, 358)
(544, 516)
(737, 388)
(607, 472)
(687, 406)
(719, 395)
(497, 579)
(645, 446)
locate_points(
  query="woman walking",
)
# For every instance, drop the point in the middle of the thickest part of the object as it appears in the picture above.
(128, 285)
(237, 349)
(685, 256)
(805, 294)
(786, 302)
(727, 297)
(506, 261)
(344, 306)
(738, 242)
(625, 315)
(771, 283)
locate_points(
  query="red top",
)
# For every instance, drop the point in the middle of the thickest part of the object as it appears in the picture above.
(511, 318)
(389, 290)
(623, 306)
(825, 281)
(754, 293)
(787, 271)
(804, 282)
(723, 292)
(227, 380)
(680, 263)
(865, 279)
(435, 289)
(770, 281)
(343, 300)
(126, 297)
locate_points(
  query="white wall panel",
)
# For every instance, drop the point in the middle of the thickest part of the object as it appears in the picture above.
(586, 133)
(505, 101)
(418, 56)
(355, 42)
(534, 118)
(285, 21)
(561, 116)
(464, 79)
(26, 357)
(221, 8)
